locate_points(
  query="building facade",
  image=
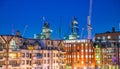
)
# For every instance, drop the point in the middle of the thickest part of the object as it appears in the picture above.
(109, 44)
(24, 53)
(79, 54)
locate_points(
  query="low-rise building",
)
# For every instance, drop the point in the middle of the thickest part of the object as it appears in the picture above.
(23, 53)
(109, 44)
(79, 54)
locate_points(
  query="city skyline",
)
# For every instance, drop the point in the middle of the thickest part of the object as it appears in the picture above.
(105, 14)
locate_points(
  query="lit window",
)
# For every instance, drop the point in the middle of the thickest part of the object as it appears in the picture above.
(74, 56)
(86, 50)
(82, 62)
(81, 44)
(109, 37)
(81, 50)
(119, 36)
(98, 62)
(11, 55)
(97, 56)
(103, 37)
(90, 62)
(86, 44)
(82, 56)
(89, 56)
(98, 37)
(96, 46)
(90, 50)
(86, 56)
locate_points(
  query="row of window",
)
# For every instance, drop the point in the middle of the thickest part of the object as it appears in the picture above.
(85, 44)
(108, 37)
(82, 56)
(82, 50)
(29, 55)
(39, 54)
(82, 62)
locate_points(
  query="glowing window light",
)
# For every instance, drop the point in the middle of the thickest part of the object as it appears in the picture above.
(74, 56)
(13, 55)
(81, 44)
(97, 56)
(90, 50)
(98, 62)
(98, 37)
(96, 46)
(86, 50)
(82, 56)
(89, 56)
(90, 62)
(85, 67)
(86, 56)
(86, 44)
(81, 50)
(109, 37)
(82, 62)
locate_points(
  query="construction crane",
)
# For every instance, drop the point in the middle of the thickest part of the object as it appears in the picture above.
(81, 36)
(60, 27)
(24, 30)
(119, 26)
(12, 29)
(89, 21)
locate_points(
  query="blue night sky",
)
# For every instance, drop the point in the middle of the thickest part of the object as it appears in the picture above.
(19, 13)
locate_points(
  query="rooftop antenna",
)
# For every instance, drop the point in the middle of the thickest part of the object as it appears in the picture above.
(43, 19)
(12, 29)
(82, 33)
(60, 26)
(89, 21)
(119, 26)
(24, 30)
